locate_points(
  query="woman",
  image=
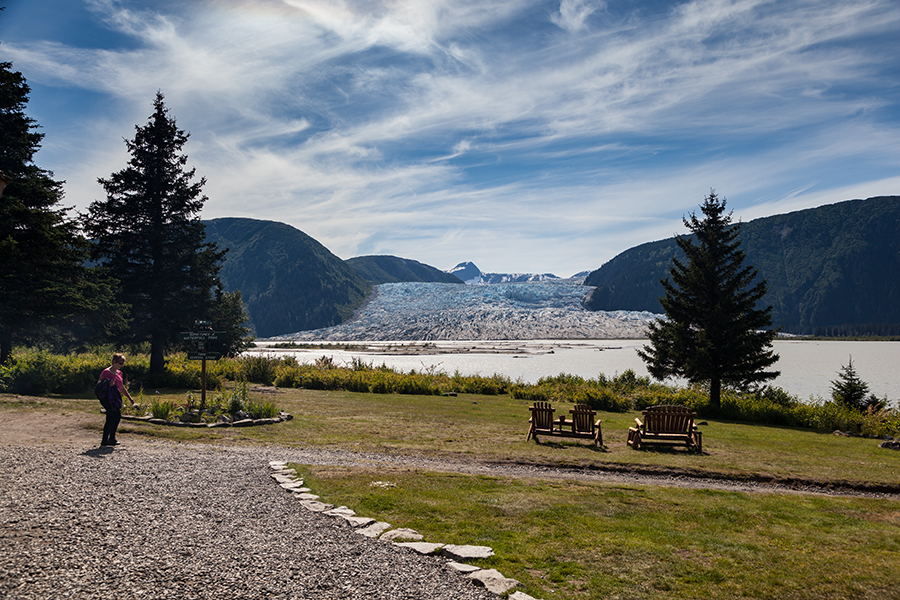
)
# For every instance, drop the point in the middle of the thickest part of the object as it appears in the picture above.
(113, 404)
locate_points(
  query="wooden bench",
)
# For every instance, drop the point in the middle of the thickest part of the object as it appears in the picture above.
(666, 425)
(581, 424)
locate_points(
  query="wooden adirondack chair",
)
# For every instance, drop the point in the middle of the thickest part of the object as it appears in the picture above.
(541, 420)
(666, 425)
(583, 424)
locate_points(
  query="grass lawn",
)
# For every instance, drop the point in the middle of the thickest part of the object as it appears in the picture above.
(570, 539)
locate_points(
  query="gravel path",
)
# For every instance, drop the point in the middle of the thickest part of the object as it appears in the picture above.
(159, 520)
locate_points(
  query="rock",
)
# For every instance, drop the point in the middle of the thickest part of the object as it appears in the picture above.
(520, 596)
(243, 423)
(285, 416)
(277, 464)
(890, 445)
(268, 421)
(315, 505)
(159, 421)
(295, 486)
(374, 530)
(463, 568)
(219, 424)
(341, 511)
(426, 548)
(466, 553)
(358, 521)
(306, 496)
(493, 581)
(402, 534)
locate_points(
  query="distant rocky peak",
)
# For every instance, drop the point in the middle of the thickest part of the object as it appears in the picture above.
(468, 272)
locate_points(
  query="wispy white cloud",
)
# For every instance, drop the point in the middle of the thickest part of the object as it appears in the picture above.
(425, 125)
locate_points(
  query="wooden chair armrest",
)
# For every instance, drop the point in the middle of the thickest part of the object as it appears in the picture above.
(638, 421)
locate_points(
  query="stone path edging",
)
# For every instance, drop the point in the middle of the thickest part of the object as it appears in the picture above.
(283, 416)
(457, 555)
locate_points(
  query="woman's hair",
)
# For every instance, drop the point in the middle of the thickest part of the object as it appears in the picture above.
(118, 358)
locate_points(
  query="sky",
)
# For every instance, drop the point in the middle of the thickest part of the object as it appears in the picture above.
(521, 135)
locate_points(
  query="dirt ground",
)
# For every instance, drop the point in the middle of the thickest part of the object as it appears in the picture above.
(47, 423)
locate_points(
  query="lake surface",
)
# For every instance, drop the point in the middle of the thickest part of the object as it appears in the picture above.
(807, 367)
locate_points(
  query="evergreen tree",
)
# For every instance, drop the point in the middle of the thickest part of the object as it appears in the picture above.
(712, 332)
(849, 389)
(229, 314)
(149, 234)
(45, 287)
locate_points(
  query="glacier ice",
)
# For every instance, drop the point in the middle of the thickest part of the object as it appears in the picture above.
(510, 311)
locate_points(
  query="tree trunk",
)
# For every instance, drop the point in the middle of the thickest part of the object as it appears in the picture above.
(157, 354)
(715, 393)
(5, 346)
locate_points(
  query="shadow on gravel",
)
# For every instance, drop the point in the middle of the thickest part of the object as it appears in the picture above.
(99, 452)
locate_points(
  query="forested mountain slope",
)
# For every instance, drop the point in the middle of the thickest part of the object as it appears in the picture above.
(832, 270)
(288, 280)
(391, 269)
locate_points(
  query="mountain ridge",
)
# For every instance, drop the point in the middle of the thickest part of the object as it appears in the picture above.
(831, 270)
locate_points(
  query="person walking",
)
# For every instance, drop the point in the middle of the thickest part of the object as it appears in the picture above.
(113, 403)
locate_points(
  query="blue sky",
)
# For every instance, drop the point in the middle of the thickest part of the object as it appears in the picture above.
(522, 135)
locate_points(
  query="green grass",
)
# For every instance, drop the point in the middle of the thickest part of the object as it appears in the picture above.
(572, 540)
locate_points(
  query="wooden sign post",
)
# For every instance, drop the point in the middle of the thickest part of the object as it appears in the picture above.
(202, 342)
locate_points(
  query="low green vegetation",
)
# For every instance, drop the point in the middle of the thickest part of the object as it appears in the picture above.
(34, 372)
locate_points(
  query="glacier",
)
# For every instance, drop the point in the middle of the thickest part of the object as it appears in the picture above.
(508, 311)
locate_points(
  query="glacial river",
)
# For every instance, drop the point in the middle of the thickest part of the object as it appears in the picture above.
(807, 367)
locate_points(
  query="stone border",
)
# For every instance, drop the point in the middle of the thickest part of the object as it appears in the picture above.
(283, 416)
(457, 556)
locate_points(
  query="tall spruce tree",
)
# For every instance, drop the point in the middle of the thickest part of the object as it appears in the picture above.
(45, 287)
(149, 234)
(712, 333)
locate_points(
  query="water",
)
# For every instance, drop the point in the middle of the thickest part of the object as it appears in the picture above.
(807, 367)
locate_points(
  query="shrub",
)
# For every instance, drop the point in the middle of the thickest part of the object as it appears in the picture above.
(258, 369)
(262, 409)
(162, 409)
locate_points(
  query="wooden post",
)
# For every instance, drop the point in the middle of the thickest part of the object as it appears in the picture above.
(203, 384)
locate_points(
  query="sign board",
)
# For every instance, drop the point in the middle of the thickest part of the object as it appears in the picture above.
(204, 355)
(202, 336)
(202, 344)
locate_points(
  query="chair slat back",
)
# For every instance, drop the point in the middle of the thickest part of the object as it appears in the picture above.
(583, 418)
(667, 418)
(542, 415)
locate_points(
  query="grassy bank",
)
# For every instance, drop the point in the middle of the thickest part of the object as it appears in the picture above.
(575, 540)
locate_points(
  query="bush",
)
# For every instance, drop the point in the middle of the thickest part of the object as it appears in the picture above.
(162, 409)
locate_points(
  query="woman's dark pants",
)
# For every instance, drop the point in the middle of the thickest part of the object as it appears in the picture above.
(113, 416)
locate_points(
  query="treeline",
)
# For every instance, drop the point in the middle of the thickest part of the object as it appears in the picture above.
(37, 372)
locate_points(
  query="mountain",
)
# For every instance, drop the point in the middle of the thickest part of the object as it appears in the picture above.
(288, 280)
(831, 270)
(469, 273)
(390, 269)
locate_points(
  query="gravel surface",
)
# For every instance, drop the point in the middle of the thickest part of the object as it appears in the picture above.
(160, 520)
